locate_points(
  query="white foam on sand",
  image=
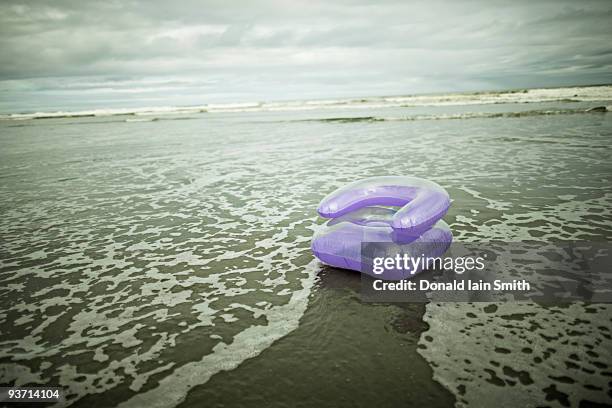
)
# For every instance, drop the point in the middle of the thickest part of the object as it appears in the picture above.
(515, 354)
(166, 285)
(247, 344)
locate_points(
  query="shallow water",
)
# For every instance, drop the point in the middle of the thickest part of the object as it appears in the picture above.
(161, 262)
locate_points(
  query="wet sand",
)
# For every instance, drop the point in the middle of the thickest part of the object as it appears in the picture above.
(167, 262)
(323, 362)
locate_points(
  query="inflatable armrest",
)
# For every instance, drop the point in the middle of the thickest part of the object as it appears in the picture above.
(422, 202)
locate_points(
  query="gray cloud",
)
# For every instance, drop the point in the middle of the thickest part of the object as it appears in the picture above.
(74, 54)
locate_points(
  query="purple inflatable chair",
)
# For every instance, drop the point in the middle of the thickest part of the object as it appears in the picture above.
(359, 214)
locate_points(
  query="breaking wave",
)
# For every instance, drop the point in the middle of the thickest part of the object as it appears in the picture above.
(564, 95)
(470, 115)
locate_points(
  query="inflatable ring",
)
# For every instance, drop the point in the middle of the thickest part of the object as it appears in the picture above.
(415, 229)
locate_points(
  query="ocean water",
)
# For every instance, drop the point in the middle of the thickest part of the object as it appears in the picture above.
(163, 259)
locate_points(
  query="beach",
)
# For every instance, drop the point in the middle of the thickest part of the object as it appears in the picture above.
(161, 256)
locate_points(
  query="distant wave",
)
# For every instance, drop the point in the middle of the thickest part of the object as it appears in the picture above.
(470, 115)
(573, 94)
(142, 120)
(134, 115)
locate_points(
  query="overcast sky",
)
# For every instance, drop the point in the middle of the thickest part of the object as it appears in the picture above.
(78, 54)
